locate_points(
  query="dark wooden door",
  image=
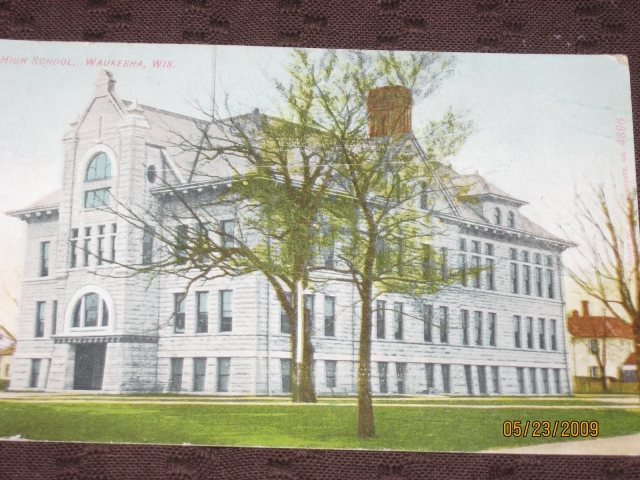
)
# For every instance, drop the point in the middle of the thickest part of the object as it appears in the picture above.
(89, 366)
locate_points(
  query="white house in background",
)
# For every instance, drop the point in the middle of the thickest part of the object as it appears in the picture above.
(81, 327)
(591, 336)
(7, 348)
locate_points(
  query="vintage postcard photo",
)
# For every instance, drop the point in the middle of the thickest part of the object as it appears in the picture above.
(259, 246)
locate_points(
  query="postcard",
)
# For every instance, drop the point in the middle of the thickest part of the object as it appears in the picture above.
(276, 247)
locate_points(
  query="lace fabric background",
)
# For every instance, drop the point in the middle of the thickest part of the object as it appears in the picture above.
(514, 26)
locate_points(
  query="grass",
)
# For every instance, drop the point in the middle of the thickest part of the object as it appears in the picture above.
(323, 425)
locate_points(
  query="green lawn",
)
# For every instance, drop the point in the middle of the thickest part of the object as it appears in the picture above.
(324, 425)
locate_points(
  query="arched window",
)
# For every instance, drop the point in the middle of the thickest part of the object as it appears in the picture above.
(511, 220)
(90, 311)
(99, 168)
(497, 216)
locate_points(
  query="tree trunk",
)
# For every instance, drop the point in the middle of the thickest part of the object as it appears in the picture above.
(366, 426)
(636, 333)
(302, 390)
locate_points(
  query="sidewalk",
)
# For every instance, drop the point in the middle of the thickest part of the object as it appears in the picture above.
(623, 445)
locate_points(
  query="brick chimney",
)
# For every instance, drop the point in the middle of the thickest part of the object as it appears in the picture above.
(389, 110)
(585, 308)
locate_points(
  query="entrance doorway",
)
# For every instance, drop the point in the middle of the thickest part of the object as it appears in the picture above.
(89, 367)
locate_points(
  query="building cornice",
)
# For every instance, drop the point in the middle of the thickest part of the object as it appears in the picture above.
(37, 212)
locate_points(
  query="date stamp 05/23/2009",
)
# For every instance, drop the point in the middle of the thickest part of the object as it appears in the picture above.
(547, 428)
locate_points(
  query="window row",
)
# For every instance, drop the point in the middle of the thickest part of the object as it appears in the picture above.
(535, 334)
(40, 318)
(99, 244)
(223, 373)
(225, 315)
(538, 282)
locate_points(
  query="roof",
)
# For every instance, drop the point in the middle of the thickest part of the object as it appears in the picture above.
(51, 201)
(8, 351)
(631, 359)
(594, 327)
(7, 333)
(479, 186)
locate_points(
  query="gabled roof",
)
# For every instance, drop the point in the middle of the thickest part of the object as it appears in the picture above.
(598, 327)
(10, 350)
(479, 187)
(7, 333)
(631, 359)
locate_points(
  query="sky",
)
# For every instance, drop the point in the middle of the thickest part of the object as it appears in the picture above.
(544, 125)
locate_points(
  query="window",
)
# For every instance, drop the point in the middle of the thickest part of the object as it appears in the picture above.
(428, 263)
(381, 307)
(446, 378)
(330, 373)
(468, 376)
(147, 245)
(464, 322)
(428, 368)
(490, 275)
(285, 374)
(488, 249)
(526, 279)
(113, 242)
(444, 270)
(476, 271)
(552, 335)
(520, 375)
(538, 281)
(427, 319)
(175, 382)
(100, 229)
(529, 332)
(225, 311)
(444, 324)
(532, 380)
(87, 231)
(54, 317)
(228, 227)
(495, 377)
(309, 311)
(511, 220)
(475, 246)
(462, 245)
(482, 379)
(462, 269)
(285, 325)
(398, 319)
(86, 252)
(202, 312)
(545, 380)
(178, 312)
(593, 346)
(537, 259)
(524, 255)
(90, 310)
(541, 334)
(401, 370)
(329, 316)
(99, 168)
(382, 377)
(224, 371)
(151, 173)
(492, 329)
(73, 254)
(35, 373)
(100, 250)
(199, 374)
(556, 378)
(497, 216)
(477, 327)
(96, 198)
(513, 254)
(517, 333)
(40, 319)
(594, 372)
(74, 233)
(550, 289)
(44, 258)
(513, 272)
(548, 260)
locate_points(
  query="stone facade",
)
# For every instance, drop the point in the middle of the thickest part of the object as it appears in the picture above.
(85, 325)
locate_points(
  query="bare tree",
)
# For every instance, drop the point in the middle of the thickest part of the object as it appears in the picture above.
(609, 263)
